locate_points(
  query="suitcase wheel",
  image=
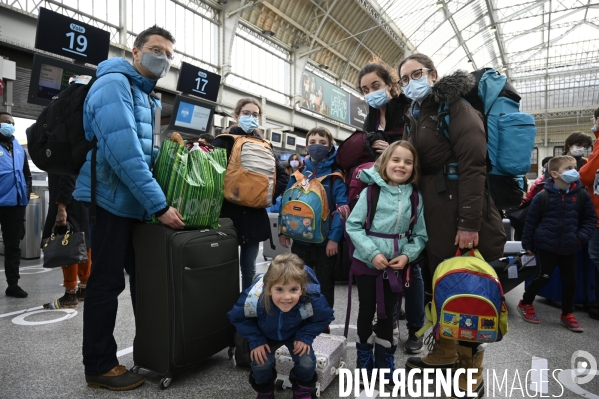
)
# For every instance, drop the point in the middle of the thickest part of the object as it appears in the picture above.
(279, 384)
(135, 369)
(165, 382)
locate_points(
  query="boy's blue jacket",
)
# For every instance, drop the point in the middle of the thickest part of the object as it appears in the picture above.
(560, 230)
(123, 123)
(393, 214)
(281, 326)
(338, 193)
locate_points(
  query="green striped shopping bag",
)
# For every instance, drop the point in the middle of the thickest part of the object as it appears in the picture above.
(193, 182)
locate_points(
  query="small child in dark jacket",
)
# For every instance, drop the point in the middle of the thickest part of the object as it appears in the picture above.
(285, 307)
(555, 234)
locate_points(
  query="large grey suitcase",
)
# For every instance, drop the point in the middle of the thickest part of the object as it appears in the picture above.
(267, 251)
(186, 281)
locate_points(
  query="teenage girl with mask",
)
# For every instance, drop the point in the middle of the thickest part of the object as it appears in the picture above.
(386, 104)
(295, 163)
(252, 224)
(456, 209)
(575, 145)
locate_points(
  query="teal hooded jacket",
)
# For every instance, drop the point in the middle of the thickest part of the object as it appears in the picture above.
(392, 216)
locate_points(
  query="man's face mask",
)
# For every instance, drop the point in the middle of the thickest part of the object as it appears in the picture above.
(157, 64)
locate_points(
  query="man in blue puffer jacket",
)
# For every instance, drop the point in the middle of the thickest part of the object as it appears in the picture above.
(555, 234)
(119, 113)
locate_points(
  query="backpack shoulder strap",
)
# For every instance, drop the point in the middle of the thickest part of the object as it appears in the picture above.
(373, 192)
(544, 201)
(414, 201)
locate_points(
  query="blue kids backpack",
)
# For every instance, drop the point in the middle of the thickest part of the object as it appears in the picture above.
(305, 212)
(510, 135)
(468, 302)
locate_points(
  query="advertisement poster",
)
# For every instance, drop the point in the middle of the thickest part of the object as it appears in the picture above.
(323, 97)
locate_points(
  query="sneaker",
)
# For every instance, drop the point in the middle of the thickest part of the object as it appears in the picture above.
(569, 321)
(528, 313)
(413, 344)
(15, 291)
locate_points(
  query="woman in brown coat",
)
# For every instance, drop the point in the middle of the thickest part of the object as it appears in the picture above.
(456, 211)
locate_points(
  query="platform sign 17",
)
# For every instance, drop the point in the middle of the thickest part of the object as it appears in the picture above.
(62, 35)
(198, 82)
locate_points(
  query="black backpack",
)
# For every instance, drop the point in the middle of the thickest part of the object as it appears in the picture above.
(56, 141)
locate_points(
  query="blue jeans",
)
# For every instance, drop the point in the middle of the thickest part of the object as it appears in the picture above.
(594, 248)
(414, 296)
(112, 246)
(247, 263)
(303, 369)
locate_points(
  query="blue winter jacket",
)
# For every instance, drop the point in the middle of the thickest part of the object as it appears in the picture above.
(123, 123)
(337, 196)
(283, 326)
(560, 230)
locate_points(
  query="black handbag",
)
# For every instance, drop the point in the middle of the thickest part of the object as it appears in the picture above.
(64, 249)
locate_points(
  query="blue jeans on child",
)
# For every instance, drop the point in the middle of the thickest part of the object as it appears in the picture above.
(247, 263)
(414, 297)
(303, 369)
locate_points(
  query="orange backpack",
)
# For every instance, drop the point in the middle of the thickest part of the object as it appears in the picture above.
(251, 172)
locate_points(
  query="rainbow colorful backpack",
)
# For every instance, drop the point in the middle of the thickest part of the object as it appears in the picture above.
(305, 212)
(468, 302)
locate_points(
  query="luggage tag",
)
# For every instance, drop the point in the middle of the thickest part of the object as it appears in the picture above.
(529, 260)
(512, 272)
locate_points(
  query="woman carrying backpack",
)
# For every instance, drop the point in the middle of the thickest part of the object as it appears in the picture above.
(252, 224)
(456, 214)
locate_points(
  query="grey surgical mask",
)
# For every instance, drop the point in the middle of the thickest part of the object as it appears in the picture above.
(157, 64)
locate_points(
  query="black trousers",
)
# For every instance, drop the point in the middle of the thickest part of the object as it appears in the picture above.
(112, 246)
(548, 261)
(324, 266)
(367, 295)
(12, 219)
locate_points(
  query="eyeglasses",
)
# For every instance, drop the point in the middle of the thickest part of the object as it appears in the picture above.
(417, 74)
(248, 113)
(159, 51)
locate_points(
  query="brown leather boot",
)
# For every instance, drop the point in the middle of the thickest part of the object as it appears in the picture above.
(442, 354)
(470, 358)
(116, 379)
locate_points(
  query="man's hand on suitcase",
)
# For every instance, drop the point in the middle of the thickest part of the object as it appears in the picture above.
(172, 218)
(259, 354)
(300, 348)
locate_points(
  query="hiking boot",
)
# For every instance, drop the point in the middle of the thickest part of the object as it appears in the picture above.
(528, 313)
(384, 357)
(569, 321)
(365, 357)
(117, 379)
(267, 395)
(81, 292)
(67, 301)
(413, 344)
(442, 354)
(304, 389)
(15, 291)
(470, 358)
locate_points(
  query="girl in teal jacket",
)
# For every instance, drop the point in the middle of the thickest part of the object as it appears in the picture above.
(387, 249)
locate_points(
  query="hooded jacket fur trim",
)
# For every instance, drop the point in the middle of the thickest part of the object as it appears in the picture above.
(452, 87)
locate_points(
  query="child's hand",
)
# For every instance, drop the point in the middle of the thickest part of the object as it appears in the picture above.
(380, 262)
(300, 348)
(399, 263)
(285, 241)
(259, 354)
(332, 248)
